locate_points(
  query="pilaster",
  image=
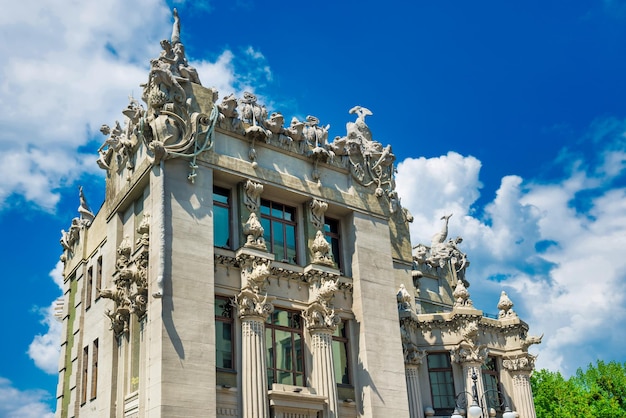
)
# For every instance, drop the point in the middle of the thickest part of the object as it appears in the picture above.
(520, 368)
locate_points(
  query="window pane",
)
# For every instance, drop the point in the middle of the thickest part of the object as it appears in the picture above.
(267, 232)
(278, 246)
(299, 354)
(290, 214)
(220, 195)
(290, 235)
(277, 211)
(283, 350)
(224, 345)
(221, 227)
(265, 207)
(340, 361)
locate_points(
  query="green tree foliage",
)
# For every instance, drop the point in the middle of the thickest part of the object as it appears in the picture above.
(598, 392)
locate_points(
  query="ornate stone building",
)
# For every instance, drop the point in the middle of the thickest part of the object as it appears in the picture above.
(242, 267)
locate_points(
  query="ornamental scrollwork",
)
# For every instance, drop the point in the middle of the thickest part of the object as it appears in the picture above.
(130, 290)
(522, 363)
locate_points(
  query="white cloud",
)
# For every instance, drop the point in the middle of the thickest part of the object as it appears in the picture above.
(45, 348)
(67, 68)
(557, 246)
(15, 403)
(56, 274)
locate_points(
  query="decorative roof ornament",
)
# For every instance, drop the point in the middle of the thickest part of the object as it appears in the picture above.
(86, 215)
(505, 306)
(170, 127)
(85, 218)
(461, 296)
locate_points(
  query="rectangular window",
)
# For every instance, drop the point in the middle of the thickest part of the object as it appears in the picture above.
(136, 337)
(85, 364)
(279, 224)
(98, 277)
(224, 334)
(285, 348)
(491, 383)
(221, 217)
(138, 211)
(441, 383)
(331, 233)
(94, 370)
(88, 287)
(341, 356)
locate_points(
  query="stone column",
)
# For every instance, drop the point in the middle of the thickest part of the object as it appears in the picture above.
(520, 369)
(321, 322)
(469, 368)
(254, 308)
(323, 373)
(412, 359)
(471, 357)
(416, 408)
(254, 367)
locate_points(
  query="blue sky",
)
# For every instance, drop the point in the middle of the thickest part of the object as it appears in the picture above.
(511, 116)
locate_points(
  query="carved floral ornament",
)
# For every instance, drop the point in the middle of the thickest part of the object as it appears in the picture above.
(320, 314)
(130, 290)
(171, 126)
(522, 363)
(370, 163)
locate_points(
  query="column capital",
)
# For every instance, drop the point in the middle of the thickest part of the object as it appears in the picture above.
(523, 363)
(320, 318)
(252, 305)
(255, 268)
(469, 354)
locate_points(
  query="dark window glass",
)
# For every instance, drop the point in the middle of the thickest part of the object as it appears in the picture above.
(224, 334)
(331, 233)
(98, 277)
(88, 287)
(341, 359)
(441, 383)
(221, 217)
(94, 370)
(83, 389)
(491, 383)
(279, 227)
(285, 348)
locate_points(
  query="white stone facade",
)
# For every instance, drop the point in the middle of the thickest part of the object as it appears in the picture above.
(242, 268)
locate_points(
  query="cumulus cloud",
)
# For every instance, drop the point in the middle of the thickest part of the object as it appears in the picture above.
(15, 403)
(45, 348)
(555, 245)
(67, 68)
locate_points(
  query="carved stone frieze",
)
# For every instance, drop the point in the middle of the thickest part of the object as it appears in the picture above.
(318, 209)
(322, 289)
(466, 353)
(412, 355)
(321, 250)
(530, 340)
(319, 316)
(252, 195)
(121, 141)
(254, 272)
(404, 299)
(130, 291)
(171, 127)
(521, 363)
(253, 230)
(253, 304)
